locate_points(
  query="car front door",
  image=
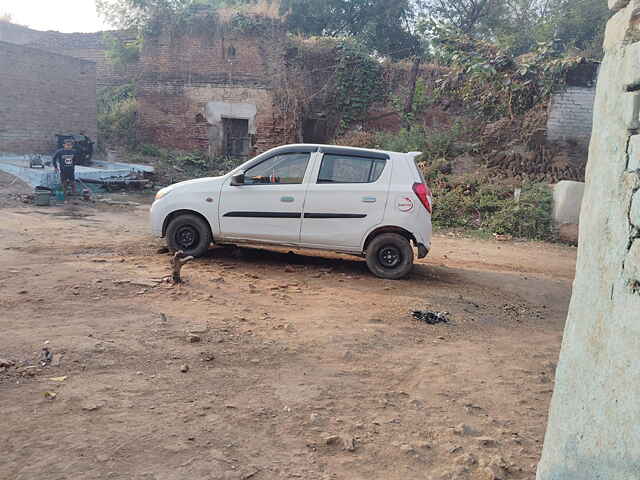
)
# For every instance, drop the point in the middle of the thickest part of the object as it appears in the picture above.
(346, 198)
(268, 205)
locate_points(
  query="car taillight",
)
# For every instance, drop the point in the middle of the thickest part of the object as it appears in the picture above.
(424, 194)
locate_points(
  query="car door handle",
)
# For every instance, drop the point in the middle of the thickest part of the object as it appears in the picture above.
(287, 199)
(369, 199)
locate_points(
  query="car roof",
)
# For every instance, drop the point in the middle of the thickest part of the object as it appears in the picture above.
(339, 149)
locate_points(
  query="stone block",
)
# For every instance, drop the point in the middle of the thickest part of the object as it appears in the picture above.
(634, 213)
(567, 200)
(634, 153)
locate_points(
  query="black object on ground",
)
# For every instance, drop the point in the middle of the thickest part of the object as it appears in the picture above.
(432, 318)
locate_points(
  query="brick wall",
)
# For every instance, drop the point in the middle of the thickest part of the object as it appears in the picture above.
(42, 94)
(87, 46)
(571, 115)
(182, 73)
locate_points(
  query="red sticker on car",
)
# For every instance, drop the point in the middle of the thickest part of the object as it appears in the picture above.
(405, 204)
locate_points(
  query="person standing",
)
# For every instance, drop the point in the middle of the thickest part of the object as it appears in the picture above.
(64, 161)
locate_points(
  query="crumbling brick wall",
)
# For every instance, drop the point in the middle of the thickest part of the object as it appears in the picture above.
(43, 94)
(87, 46)
(183, 73)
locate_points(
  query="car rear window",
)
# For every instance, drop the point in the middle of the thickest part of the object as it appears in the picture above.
(349, 169)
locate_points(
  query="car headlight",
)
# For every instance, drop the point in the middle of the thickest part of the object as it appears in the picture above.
(162, 193)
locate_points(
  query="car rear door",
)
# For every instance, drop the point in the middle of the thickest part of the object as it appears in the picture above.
(268, 206)
(346, 197)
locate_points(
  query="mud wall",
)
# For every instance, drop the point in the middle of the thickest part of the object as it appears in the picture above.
(594, 424)
(42, 94)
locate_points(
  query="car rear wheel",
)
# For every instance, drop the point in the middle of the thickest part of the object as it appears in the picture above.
(390, 256)
(190, 234)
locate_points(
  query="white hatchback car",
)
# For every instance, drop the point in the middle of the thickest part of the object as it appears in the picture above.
(364, 202)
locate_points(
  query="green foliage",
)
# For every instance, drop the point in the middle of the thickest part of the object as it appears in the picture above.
(382, 26)
(493, 84)
(257, 25)
(491, 208)
(519, 26)
(175, 166)
(122, 53)
(151, 16)
(528, 218)
(421, 100)
(433, 143)
(358, 83)
(117, 116)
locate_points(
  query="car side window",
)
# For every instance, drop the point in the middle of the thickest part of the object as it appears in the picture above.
(348, 169)
(287, 168)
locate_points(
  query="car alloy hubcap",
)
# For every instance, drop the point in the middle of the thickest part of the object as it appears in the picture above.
(186, 237)
(389, 257)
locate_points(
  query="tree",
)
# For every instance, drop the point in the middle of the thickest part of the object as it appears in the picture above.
(138, 14)
(384, 26)
(468, 16)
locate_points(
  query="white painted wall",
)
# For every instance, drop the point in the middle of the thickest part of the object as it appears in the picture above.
(594, 423)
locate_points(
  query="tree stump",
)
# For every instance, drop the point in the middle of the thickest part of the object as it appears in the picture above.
(178, 261)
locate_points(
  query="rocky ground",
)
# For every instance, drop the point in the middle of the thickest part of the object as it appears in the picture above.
(268, 365)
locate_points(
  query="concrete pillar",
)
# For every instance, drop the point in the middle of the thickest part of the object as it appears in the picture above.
(594, 423)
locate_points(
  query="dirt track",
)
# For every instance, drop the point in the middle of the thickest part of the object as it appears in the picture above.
(307, 367)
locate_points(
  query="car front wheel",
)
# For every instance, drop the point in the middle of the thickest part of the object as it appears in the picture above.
(190, 234)
(390, 256)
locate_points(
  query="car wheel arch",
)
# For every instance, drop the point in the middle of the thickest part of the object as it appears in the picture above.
(169, 218)
(389, 229)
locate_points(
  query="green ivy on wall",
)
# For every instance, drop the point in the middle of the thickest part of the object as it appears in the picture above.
(359, 83)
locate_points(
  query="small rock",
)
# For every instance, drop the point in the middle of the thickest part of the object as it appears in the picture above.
(184, 368)
(463, 430)
(332, 440)
(314, 418)
(289, 269)
(6, 363)
(466, 459)
(207, 357)
(193, 338)
(406, 448)
(91, 407)
(424, 445)
(162, 250)
(30, 371)
(487, 441)
(349, 444)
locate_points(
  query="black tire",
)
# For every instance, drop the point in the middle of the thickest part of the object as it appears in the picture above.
(390, 256)
(189, 233)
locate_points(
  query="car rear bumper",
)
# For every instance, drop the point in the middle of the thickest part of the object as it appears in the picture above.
(422, 251)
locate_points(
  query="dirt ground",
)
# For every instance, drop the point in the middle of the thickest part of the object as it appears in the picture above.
(306, 367)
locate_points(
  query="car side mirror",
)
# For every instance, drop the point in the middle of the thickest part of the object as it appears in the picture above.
(237, 180)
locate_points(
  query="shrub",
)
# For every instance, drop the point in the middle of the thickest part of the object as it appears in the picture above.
(528, 218)
(491, 208)
(433, 143)
(118, 125)
(117, 116)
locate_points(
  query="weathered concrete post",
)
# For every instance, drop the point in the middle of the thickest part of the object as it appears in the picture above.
(594, 424)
